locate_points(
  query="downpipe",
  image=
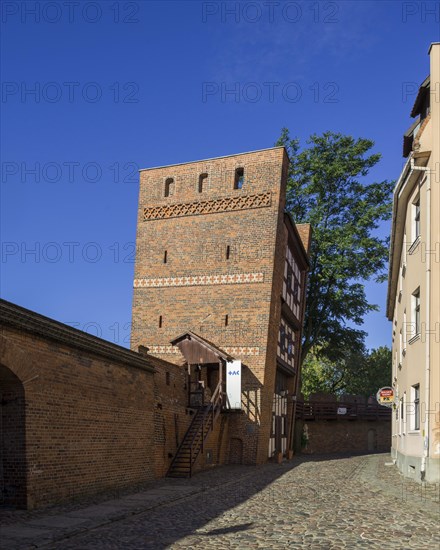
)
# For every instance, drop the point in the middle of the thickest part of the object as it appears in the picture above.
(427, 316)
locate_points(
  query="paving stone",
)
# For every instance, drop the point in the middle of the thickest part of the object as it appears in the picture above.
(20, 532)
(58, 521)
(311, 503)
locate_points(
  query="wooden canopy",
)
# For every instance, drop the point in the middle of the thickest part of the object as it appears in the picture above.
(198, 351)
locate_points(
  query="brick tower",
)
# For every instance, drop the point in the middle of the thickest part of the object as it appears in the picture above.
(218, 257)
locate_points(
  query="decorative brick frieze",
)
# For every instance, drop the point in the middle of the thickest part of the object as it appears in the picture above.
(200, 280)
(242, 350)
(223, 276)
(225, 204)
(236, 351)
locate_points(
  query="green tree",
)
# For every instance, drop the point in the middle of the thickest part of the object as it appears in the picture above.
(358, 373)
(326, 188)
(374, 373)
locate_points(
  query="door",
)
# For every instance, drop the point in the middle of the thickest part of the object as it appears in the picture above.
(278, 436)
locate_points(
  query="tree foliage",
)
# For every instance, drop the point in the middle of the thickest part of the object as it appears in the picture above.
(358, 373)
(326, 188)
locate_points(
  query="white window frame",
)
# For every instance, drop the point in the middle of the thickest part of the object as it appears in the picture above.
(401, 406)
(415, 312)
(415, 219)
(404, 413)
(400, 347)
(405, 333)
(405, 251)
(415, 408)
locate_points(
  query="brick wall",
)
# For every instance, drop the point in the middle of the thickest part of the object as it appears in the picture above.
(89, 420)
(12, 437)
(171, 416)
(327, 437)
(182, 254)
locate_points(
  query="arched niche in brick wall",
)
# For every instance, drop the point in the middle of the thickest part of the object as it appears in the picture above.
(235, 451)
(12, 440)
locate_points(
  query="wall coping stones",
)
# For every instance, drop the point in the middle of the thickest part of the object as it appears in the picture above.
(31, 322)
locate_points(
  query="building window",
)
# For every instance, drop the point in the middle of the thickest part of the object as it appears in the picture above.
(416, 218)
(202, 179)
(405, 250)
(400, 348)
(169, 187)
(239, 178)
(289, 347)
(400, 282)
(404, 412)
(165, 257)
(405, 332)
(401, 416)
(415, 398)
(282, 339)
(226, 320)
(296, 289)
(416, 311)
(160, 321)
(289, 278)
(228, 252)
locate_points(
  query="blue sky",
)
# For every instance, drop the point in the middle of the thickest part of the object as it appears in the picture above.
(92, 91)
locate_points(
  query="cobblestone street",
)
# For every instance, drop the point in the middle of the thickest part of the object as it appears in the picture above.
(316, 503)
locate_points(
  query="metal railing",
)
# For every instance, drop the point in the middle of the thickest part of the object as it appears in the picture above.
(340, 410)
(210, 414)
(201, 424)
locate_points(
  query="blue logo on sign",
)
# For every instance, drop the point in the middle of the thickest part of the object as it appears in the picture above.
(233, 372)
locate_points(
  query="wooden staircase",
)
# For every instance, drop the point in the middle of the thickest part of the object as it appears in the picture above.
(193, 442)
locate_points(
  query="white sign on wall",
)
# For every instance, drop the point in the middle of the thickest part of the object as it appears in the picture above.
(233, 383)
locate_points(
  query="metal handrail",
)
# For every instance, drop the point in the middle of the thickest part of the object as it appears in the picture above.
(210, 409)
(208, 416)
(176, 454)
(325, 409)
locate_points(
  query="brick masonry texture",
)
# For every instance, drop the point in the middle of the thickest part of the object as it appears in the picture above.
(345, 436)
(171, 416)
(237, 350)
(200, 248)
(82, 416)
(207, 207)
(73, 423)
(228, 279)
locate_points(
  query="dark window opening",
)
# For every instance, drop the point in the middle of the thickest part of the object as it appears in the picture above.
(296, 289)
(160, 321)
(165, 257)
(417, 218)
(282, 339)
(202, 180)
(226, 320)
(417, 407)
(289, 278)
(239, 178)
(416, 297)
(228, 252)
(280, 382)
(169, 187)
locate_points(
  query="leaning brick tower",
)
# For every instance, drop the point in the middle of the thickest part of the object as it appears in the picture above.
(211, 259)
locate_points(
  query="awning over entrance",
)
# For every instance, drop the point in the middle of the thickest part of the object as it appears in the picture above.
(198, 351)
